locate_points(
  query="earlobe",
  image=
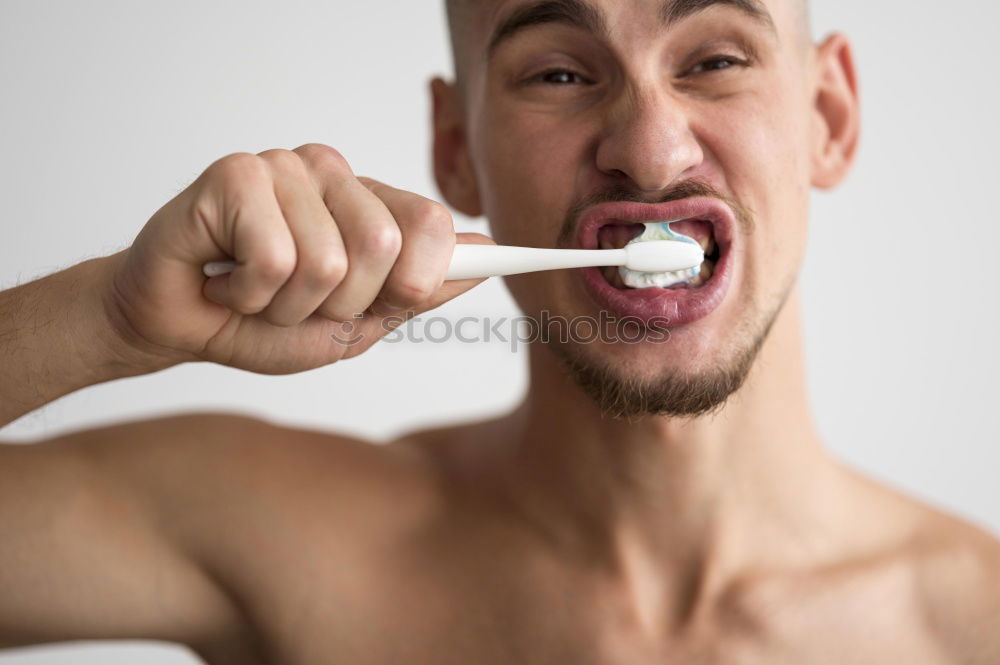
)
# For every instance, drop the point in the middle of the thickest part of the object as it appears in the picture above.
(837, 112)
(453, 170)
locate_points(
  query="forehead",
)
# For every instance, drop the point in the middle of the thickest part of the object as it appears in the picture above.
(489, 22)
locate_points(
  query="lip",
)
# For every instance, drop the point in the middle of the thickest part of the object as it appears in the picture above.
(654, 305)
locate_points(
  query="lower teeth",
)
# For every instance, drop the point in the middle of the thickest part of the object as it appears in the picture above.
(622, 278)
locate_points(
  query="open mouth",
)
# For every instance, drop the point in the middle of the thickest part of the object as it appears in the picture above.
(616, 235)
(707, 220)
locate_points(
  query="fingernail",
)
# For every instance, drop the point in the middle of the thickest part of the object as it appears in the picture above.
(383, 308)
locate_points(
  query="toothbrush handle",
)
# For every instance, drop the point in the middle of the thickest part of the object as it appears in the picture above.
(475, 261)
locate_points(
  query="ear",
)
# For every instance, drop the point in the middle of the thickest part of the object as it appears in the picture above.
(452, 163)
(837, 113)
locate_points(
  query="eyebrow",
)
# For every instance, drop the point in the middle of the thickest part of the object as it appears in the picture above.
(673, 11)
(575, 13)
(580, 14)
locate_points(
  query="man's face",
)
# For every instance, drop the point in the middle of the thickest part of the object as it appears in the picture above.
(578, 106)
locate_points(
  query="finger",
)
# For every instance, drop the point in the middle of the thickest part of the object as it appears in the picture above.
(378, 322)
(447, 291)
(252, 230)
(370, 234)
(321, 259)
(453, 288)
(428, 240)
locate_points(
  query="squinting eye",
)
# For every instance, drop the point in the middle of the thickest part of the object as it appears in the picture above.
(560, 77)
(716, 64)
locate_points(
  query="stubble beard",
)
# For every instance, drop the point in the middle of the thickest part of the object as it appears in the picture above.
(672, 392)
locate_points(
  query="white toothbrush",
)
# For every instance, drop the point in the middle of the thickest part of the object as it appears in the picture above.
(475, 261)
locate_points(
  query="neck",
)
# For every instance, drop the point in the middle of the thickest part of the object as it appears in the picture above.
(709, 496)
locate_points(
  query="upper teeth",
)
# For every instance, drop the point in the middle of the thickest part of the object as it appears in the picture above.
(707, 244)
(661, 231)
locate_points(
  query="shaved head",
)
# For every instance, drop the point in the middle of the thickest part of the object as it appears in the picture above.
(458, 20)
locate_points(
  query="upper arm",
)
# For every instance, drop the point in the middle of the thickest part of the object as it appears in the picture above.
(94, 540)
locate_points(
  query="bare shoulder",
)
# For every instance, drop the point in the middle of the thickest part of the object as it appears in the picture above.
(958, 578)
(228, 521)
(241, 438)
(204, 470)
(946, 568)
(239, 483)
(243, 450)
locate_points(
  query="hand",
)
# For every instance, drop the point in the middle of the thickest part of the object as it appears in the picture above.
(315, 247)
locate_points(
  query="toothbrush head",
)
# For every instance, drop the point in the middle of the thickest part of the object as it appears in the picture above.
(663, 255)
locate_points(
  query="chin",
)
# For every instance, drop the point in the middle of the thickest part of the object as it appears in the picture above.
(682, 351)
(690, 371)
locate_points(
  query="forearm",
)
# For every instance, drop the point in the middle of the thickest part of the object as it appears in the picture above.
(57, 335)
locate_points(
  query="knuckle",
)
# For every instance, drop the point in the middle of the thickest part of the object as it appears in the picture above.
(275, 265)
(237, 168)
(323, 157)
(325, 269)
(382, 241)
(281, 160)
(432, 217)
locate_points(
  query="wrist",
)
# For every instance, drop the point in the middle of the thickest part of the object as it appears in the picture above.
(121, 351)
(57, 336)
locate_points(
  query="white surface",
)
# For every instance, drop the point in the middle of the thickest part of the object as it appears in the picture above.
(111, 107)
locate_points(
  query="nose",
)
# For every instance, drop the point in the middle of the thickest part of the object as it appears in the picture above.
(648, 141)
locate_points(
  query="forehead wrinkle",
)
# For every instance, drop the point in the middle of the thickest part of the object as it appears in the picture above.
(672, 11)
(577, 13)
(590, 17)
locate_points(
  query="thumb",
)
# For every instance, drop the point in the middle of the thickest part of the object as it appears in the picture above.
(456, 287)
(380, 318)
(448, 290)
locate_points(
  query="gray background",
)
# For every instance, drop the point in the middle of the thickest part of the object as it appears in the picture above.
(110, 108)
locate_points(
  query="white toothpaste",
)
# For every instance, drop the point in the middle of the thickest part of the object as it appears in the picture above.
(642, 280)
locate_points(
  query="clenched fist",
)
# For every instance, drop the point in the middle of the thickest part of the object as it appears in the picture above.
(315, 246)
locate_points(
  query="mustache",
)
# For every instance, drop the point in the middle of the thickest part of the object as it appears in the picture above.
(682, 190)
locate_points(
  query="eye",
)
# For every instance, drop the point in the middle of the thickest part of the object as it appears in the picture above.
(559, 77)
(717, 63)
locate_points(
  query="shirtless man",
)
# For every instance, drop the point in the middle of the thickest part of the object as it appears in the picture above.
(705, 523)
